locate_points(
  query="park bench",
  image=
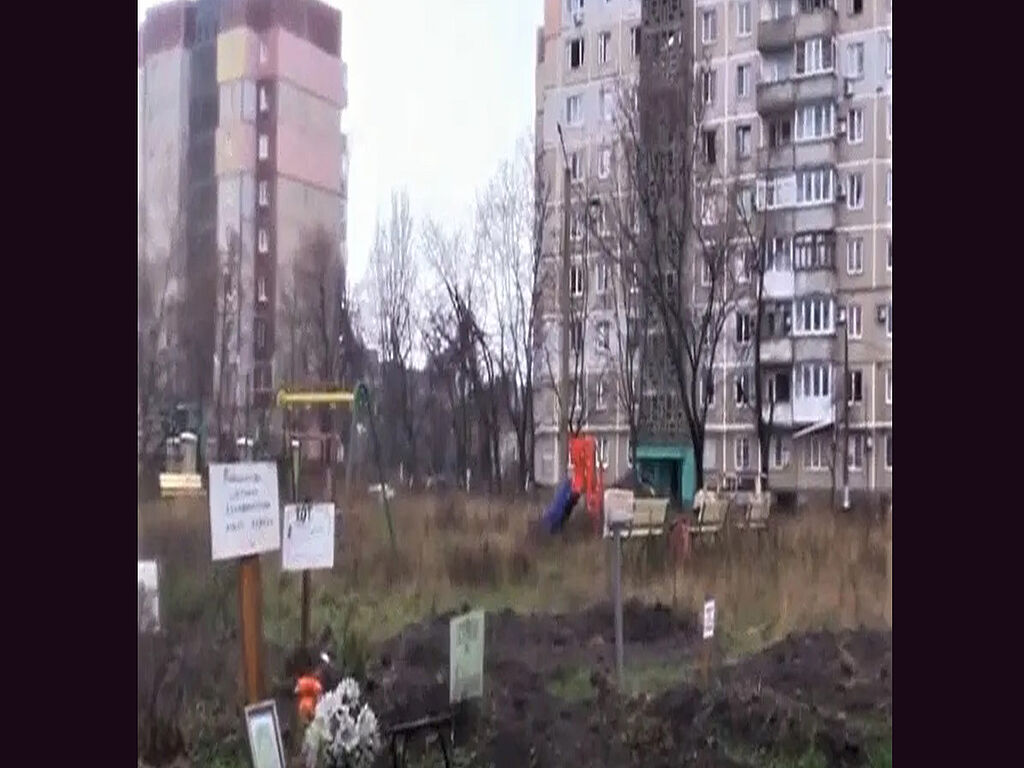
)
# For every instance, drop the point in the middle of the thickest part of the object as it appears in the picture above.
(710, 507)
(646, 515)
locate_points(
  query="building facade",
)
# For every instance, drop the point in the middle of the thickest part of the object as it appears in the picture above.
(242, 163)
(797, 104)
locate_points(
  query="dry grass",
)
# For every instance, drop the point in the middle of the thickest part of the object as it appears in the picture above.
(806, 572)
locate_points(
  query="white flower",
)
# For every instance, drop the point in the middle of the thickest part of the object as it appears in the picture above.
(346, 735)
(366, 725)
(349, 690)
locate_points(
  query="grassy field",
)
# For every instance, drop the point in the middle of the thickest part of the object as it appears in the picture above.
(813, 571)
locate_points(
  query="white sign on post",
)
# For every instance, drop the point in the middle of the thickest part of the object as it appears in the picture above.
(245, 514)
(709, 619)
(307, 539)
(466, 655)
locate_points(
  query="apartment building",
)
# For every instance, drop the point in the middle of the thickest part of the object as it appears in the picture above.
(797, 104)
(585, 51)
(242, 162)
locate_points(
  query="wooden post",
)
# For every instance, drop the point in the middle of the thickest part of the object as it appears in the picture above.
(250, 600)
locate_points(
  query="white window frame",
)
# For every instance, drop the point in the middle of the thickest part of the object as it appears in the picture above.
(264, 102)
(602, 452)
(814, 56)
(742, 80)
(604, 336)
(602, 396)
(855, 200)
(634, 41)
(261, 289)
(576, 280)
(709, 26)
(574, 117)
(741, 449)
(816, 454)
(601, 277)
(607, 104)
(744, 328)
(888, 385)
(855, 60)
(778, 453)
(264, 146)
(708, 85)
(888, 55)
(582, 40)
(576, 339)
(604, 44)
(743, 12)
(888, 253)
(813, 316)
(887, 451)
(743, 147)
(855, 256)
(850, 400)
(814, 122)
(813, 380)
(604, 163)
(888, 320)
(854, 321)
(741, 387)
(264, 193)
(576, 165)
(262, 241)
(855, 120)
(855, 452)
(815, 186)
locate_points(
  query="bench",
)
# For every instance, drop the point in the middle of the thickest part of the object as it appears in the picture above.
(644, 516)
(711, 509)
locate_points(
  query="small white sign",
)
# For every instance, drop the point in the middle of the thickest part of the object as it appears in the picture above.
(264, 730)
(307, 537)
(466, 655)
(245, 514)
(149, 596)
(709, 619)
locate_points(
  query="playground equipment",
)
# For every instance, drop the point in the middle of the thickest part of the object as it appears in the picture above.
(587, 476)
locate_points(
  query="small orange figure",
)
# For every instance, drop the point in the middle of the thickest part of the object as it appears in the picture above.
(308, 691)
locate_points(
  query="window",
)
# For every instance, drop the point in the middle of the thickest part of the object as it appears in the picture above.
(573, 113)
(743, 27)
(855, 452)
(635, 42)
(263, 241)
(854, 321)
(780, 9)
(888, 254)
(855, 388)
(742, 453)
(778, 387)
(710, 155)
(706, 388)
(742, 387)
(888, 386)
(743, 267)
(888, 55)
(264, 104)
(604, 163)
(888, 320)
(888, 121)
(743, 326)
(742, 142)
(777, 255)
(264, 146)
(709, 26)
(576, 335)
(813, 380)
(854, 256)
(814, 121)
(814, 186)
(607, 105)
(708, 85)
(888, 188)
(888, 451)
(603, 335)
(814, 55)
(602, 277)
(855, 61)
(264, 194)
(779, 453)
(814, 250)
(816, 454)
(604, 43)
(855, 126)
(780, 132)
(574, 6)
(575, 166)
(856, 7)
(742, 80)
(576, 280)
(261, 288)
(574, 53)
(855, 193)
(602, 395)
(814, 315)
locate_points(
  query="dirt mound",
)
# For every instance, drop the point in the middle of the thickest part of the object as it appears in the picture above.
(822, 692)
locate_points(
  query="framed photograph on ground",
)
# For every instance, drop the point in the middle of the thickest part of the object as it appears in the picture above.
(264, 731)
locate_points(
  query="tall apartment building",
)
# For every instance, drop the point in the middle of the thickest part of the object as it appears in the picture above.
(242, 162)
(798, 104)
(585, 50)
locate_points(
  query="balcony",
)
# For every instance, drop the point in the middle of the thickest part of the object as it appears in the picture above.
(813, 348)
(776, 34)
(782, 416)
(812, 410)
(776, 351)
(783, 95)
(779, 284)
(814, 281)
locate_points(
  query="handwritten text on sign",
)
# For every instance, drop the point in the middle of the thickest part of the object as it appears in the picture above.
(245, 516)
(466, 653)
(709, 619)
(308, 537)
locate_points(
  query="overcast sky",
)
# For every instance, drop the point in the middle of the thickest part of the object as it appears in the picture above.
(439, 91)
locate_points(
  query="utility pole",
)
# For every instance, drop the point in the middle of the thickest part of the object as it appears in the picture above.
(563, 385)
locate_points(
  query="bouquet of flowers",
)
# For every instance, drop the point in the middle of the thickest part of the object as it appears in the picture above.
(343, 733)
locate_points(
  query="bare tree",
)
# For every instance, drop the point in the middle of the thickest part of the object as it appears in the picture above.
(511, 214)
